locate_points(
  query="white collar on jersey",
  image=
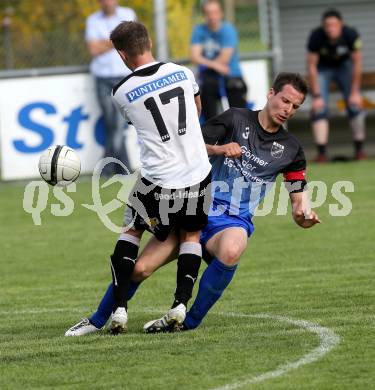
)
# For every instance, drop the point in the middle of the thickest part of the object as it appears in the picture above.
(146, 65)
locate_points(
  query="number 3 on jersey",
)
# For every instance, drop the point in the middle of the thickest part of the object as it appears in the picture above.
(166, 98)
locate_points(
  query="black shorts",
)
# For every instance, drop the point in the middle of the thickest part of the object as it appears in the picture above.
(159, 210)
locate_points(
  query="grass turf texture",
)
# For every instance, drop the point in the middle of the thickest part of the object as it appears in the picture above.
(53, 275)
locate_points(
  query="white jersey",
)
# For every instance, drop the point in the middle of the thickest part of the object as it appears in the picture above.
(158, 99)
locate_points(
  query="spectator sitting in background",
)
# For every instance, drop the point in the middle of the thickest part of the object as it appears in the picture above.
(214, 49)
(334, 54)
(108, 70)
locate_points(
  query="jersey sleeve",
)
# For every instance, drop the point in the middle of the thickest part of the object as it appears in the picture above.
(230, 38)
(295, 173)
(354, 39)
(121, 109)
(216, 129)
(314, 41)
(194, 83)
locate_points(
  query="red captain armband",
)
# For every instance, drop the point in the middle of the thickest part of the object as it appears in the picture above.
(293, 176)
(295, 181)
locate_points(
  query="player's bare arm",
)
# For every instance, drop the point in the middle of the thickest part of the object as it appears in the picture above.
(302, 214)
(312, 67)
(198, 103)
(97, 47)
(355, 97)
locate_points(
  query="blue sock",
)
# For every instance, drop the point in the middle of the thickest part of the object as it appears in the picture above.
(214, 281)
(100, 317)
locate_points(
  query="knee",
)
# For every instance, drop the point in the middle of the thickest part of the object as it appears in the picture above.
(141, 272)
(231, 254)
(317, 115)
(354, 111)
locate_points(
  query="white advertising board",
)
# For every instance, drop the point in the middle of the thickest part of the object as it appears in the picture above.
(38, 112)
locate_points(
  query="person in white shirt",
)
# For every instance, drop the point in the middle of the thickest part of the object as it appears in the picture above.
(162, 101)
(108, 70)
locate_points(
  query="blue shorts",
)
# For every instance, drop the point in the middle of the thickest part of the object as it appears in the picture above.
(218, 223)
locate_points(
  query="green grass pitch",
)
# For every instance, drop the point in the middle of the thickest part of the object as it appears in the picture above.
(54, 274)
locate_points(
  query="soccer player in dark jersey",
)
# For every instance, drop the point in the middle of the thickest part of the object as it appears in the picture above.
(248, 150)
(334, 55)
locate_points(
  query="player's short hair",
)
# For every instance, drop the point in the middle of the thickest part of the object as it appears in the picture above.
(294, 79)
(132, 38)
(204, 3)
(331, 13)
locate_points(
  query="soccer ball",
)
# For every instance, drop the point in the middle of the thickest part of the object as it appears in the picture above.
(59, 164)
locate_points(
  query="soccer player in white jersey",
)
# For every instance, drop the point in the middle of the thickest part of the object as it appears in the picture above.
(162, 101)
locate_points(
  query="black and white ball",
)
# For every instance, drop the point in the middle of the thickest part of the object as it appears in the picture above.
(59, 164)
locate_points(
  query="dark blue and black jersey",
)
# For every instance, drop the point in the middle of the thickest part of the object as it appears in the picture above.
(241, 183)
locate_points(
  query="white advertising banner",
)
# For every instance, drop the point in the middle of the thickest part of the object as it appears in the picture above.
(38, 112)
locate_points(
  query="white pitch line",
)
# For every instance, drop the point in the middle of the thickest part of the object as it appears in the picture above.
(328, 340)
(43, 310)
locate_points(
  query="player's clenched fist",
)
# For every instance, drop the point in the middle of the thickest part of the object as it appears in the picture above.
(232, 150)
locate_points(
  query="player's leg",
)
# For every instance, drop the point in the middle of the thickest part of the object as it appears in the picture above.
(226, 247)
(142, 207)
(355, 113)
(122, 263)
(191, 219)
(319, 116)
(188, 263)
(154, 255)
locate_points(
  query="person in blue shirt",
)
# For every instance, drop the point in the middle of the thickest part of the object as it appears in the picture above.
(214, 48)
(248, 150)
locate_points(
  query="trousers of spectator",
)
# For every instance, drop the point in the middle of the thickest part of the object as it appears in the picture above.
(114, 124)
(235, 89)
(342, 76)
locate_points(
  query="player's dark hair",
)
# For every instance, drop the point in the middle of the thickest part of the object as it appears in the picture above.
(331, 13)
(294, 79)
(131, 37)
